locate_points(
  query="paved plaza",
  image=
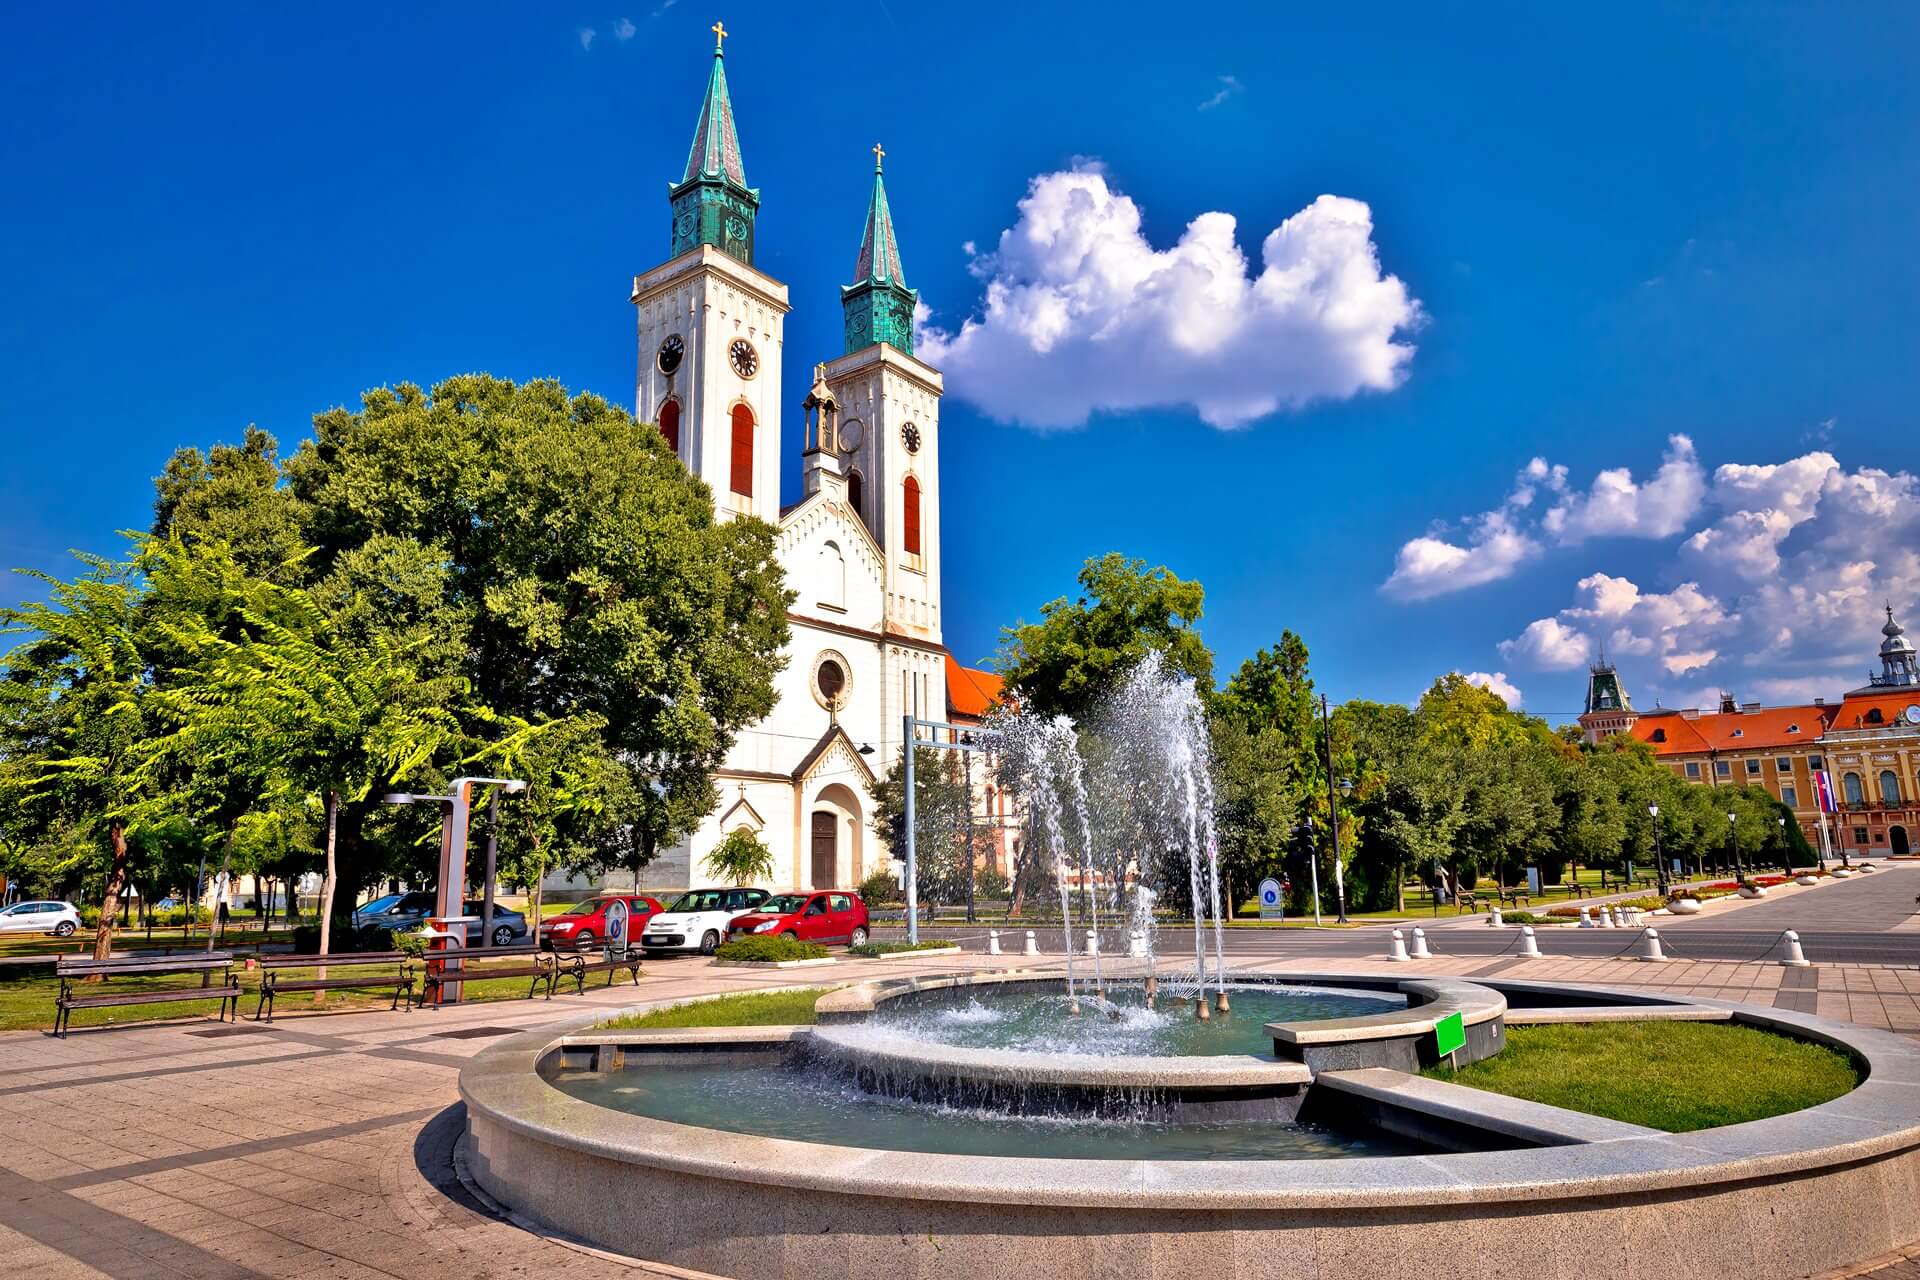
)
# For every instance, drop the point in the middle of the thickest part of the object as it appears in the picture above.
(322, 1145)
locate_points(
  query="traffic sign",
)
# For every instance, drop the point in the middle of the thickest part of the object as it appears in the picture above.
(1272, 905)
(617, 927)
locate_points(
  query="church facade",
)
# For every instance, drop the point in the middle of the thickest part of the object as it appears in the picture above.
(861, 546)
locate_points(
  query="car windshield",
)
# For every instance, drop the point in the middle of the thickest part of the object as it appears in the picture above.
(586, 908)
(698, 900)
(783, 904)
(382, 903)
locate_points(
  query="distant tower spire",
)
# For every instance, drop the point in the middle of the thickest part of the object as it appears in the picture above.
(1897, 659)
(878, 305)
(712, 203)
(1609, 710)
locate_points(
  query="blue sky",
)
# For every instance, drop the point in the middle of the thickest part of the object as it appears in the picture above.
(1609, 229)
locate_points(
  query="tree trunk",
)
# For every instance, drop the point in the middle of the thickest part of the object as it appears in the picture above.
(327, 887)
(116, 881)
(1400, 890)
(226, 860)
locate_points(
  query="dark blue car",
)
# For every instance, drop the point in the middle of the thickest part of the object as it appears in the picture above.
(406, 911)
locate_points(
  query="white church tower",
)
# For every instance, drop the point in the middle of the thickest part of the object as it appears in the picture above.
(711, 325)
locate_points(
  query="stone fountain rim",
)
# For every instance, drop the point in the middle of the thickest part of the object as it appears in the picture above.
(1880, 1117)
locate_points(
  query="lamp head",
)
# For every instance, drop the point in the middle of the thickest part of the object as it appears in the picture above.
(1653, 810)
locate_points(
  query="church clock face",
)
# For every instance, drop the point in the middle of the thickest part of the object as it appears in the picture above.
(744, 359)
(671, 353)
(910, 437)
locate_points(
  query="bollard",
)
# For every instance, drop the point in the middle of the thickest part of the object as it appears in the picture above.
(1606, 919)
(1399, 951)
(1629, 917)
(1796, 958)
(1586, 920)
(1493, 918)
(1650, 946)
(1137, 944)
(1529, 945)
(993, 942)
(1420, 951)
(1093, 943)
(1033, 947)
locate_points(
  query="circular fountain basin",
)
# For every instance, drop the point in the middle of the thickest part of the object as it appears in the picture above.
(672, 1182)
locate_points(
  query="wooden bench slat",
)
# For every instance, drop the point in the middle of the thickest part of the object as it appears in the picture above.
(155, 997)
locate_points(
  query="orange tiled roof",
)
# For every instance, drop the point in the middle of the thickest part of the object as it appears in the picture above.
(1892, 705)
(970, 693)
(1762, 730)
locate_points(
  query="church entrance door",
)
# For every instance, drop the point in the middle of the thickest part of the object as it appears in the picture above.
(826, 847)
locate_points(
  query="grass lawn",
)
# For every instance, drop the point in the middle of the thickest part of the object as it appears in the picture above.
(789, 1007)
(1676, 1076)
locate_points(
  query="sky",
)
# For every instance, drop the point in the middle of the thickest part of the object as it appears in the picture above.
(1487, 340)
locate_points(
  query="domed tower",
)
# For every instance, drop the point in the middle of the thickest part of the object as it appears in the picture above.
(1897, 666)
(1609, 710)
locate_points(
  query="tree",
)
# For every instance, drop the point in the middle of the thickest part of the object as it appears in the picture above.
(1408, 798)
(1071, 658)
(75, 708)
(740, 857)
(940, 858)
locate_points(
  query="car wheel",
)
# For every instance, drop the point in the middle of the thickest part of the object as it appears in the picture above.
(858, 938)
(709, 942)
(583, 939)
(64, 929)
(502, 935)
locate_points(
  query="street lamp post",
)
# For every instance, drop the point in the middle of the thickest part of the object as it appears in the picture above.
(1733, 833)
(1659, 863)
(1786, 856)
(1333, 813)
(450, 894)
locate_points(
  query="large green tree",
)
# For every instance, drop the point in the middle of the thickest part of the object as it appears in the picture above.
(1073, 657)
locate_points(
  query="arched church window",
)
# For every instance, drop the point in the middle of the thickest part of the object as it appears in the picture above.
(1889, 787)
(833, 576)
(742, 468)
(1856, 794)
(856, 491)
(670, 424)
(910, 516)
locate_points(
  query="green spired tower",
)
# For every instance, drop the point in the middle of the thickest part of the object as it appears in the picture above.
(713, 204)
(878, 304)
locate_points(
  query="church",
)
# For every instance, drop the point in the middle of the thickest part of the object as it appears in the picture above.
(861, 546)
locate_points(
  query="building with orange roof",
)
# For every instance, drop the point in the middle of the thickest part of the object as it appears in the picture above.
(1868, 742)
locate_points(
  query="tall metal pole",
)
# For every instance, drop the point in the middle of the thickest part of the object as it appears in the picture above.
(913, 895)
(966, 767)
(1313, 874)
(493, 859)
(1333, 815)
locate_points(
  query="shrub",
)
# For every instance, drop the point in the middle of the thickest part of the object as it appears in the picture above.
(988, 883)
(306, 940)
(880, 887)
(895, 948)
(765, 948)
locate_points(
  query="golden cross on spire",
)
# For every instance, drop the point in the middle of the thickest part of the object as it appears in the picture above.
(879, 154)
(719, 30)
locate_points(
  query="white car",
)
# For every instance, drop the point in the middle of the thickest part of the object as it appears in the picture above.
(697, 920)
(57, 918)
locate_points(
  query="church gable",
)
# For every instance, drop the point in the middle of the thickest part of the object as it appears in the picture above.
(832, 562)
(834, 753)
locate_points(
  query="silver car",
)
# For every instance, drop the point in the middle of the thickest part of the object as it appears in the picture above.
(58, 918)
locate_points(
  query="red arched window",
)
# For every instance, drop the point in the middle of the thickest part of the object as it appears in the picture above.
(670, 424)
(910, 535)
(742, 481)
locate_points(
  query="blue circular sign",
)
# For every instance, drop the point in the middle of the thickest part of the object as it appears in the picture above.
(1269, 892)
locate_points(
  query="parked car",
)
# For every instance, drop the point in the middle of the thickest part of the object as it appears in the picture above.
(57, 918)
(584, 924)
(810, 917)
(698, 919)
(403, 912)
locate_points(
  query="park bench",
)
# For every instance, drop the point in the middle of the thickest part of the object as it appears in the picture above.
(76, 993)
(394, 975)
(529, 961)
(1516, 897)
(577, 964)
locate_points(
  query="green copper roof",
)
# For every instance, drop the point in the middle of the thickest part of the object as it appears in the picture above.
(716, 147)
(879, 260)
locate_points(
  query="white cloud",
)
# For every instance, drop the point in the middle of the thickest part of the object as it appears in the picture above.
(586, 35)
(1431, 566)
(1548, 644)
(1496, 682)
(1082, 314)
(1618, 507)
(624, 29)
(1229, 85)
(1779, 595)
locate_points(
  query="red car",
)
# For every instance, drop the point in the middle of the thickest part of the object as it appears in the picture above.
(584, 924)
(826, 916)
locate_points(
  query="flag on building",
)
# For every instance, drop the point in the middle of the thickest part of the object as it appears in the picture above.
(1823, 791)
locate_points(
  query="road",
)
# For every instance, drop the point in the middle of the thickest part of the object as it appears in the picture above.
(1869, 919)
